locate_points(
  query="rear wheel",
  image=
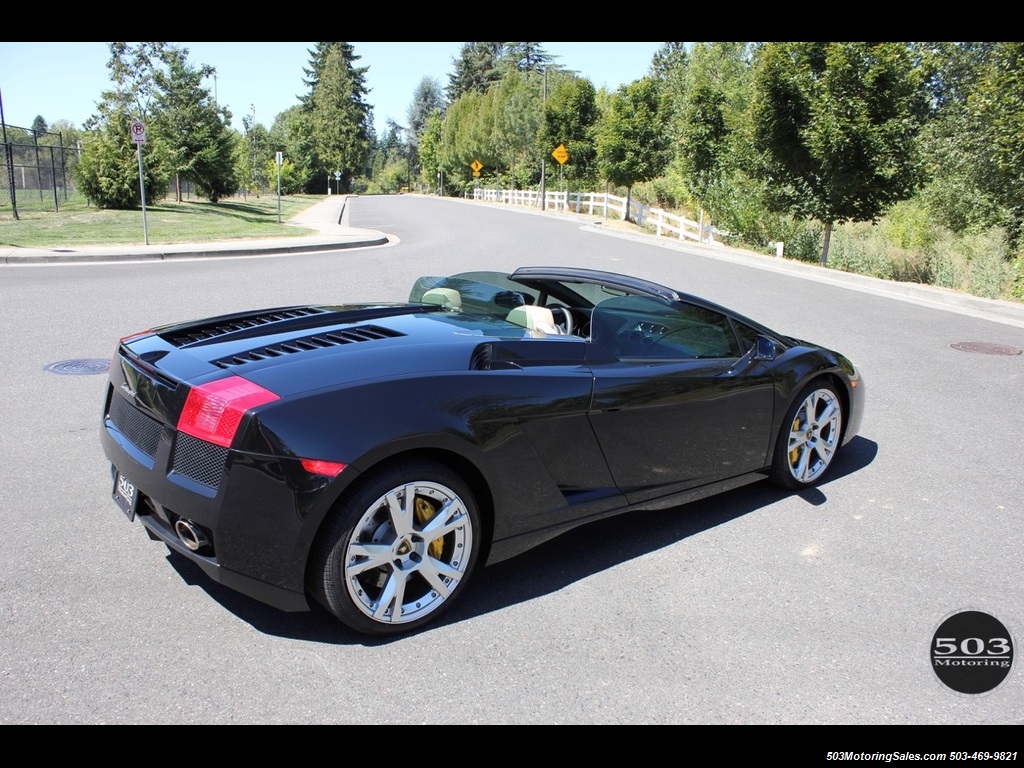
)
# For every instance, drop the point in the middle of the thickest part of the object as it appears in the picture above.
(399, 550)
(809, 438)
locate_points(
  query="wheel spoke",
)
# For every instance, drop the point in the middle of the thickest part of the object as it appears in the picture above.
(448, 518)
(376, 556)
(400, 509)
(802, 470)
(797, 439)
(391, 597)
(441, 577)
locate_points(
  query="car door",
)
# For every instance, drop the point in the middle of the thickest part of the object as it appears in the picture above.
(678, 399)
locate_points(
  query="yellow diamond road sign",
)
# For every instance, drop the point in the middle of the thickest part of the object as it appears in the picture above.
(561, 154)
(477, 166)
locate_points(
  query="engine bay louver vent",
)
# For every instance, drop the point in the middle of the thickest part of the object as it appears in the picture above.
(309, 343)
(481, 359)
(488, 357)
(198, 333)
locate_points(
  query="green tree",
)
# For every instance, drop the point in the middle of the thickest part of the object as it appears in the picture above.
(39, 126)
(477, 68)
(997, 109)
(704, 142)
(527, 57)
(427, 99)
(570, 119)
(338, 114)
(835, 127)
(108, 172)
(291, 134)
(255, 152)
(953, 144)
(517, 110)
(631, 141)
(429, 149)
(467, 135)
(198, 142)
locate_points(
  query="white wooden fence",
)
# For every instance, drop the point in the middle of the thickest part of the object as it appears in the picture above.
(664, 224)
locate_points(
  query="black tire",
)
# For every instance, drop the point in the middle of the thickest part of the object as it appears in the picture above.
(399, 550)
(809, 437)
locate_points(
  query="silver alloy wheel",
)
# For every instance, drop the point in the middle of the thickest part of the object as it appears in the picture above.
(814, 435)
(408, 552)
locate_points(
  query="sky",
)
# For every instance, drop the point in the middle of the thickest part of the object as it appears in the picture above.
(64, 81)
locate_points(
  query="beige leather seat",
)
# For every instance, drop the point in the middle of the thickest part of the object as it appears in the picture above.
(534, 318)
(448, 298)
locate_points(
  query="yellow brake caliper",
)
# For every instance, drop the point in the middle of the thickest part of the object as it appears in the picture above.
(794, 454)
(426, 511)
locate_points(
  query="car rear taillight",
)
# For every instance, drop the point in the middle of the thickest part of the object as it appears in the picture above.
(213, 411)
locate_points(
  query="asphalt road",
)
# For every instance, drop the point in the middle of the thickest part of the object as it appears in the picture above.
(754, 607)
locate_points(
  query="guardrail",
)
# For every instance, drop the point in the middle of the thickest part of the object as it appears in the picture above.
(665, 224)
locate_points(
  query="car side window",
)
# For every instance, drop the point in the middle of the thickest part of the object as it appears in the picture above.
(657, 329)
(747, 335)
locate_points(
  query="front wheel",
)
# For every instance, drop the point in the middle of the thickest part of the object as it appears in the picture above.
(809, 438)
(399, 550)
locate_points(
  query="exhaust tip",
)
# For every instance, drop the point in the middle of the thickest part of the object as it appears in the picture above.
(191, 535)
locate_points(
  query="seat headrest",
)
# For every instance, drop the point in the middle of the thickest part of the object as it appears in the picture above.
(534, 318)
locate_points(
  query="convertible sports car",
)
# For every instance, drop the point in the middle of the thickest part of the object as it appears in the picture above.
(370, 456)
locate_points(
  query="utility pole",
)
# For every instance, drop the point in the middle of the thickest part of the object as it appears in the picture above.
(543, 157)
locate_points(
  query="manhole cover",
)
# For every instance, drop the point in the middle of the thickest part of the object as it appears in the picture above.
(985, 348)
(85, 367)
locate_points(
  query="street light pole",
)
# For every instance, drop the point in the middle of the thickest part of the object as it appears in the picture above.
(543, 157)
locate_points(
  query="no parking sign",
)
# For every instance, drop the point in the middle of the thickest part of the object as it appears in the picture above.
(138, 132)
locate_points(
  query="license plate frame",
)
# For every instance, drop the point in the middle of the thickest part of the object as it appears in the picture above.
(125, 495)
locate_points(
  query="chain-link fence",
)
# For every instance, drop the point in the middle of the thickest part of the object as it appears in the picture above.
(37, 172)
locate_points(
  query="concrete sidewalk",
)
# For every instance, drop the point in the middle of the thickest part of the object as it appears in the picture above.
(328, 218)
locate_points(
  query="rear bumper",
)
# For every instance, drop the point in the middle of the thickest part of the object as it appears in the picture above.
(278, 597)
(258, 515)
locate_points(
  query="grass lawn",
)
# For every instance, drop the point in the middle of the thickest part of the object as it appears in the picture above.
(78, 224)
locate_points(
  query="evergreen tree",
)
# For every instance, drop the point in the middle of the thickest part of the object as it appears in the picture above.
(427, 99)
(39, 126)
(339, 118)
(198, 143)
(477, 69)
(108, 172)
(527, 57)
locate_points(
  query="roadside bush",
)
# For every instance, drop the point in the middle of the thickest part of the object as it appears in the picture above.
(865, 249)
(978, 264)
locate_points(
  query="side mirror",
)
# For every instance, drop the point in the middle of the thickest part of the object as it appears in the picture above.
(765, 349)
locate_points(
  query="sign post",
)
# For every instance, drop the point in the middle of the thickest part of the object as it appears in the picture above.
(561, 154)
(139, 137)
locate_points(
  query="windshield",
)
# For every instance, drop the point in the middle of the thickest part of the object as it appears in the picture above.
(463, 293)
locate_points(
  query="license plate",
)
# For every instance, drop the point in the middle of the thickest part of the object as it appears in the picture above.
(125, 494)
